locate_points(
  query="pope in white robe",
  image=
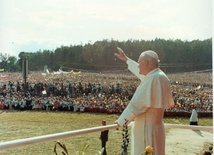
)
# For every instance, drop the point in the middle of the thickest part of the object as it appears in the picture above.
(148, 103)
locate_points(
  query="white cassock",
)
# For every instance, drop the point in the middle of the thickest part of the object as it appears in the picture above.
(146, 108)
(194, 116)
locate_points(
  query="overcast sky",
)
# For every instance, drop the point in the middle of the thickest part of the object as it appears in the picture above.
(33, 25)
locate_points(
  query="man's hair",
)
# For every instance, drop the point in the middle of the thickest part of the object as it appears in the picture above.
(207, 153)
(151, 60)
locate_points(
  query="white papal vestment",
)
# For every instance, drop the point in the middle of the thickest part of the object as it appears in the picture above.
(146, 108)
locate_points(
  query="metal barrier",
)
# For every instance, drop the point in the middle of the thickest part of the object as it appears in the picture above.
(39, 139)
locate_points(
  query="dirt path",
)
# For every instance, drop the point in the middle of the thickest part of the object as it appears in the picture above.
(186, 141)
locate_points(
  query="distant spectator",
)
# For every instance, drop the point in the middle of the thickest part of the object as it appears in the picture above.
(194, 118)
(104, 138)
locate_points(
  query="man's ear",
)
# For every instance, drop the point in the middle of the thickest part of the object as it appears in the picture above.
(146, 63)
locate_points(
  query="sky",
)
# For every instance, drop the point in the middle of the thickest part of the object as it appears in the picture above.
(37, 25)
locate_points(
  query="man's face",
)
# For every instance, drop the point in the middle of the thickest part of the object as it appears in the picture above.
(142, 66)
(103, 123)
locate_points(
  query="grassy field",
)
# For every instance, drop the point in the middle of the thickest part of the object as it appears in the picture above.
(24, 124)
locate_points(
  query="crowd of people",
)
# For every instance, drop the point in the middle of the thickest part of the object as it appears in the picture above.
(98, 92)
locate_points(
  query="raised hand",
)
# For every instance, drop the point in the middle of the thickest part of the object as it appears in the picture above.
(121, 55)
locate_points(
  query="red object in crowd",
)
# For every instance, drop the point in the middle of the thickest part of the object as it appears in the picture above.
(1, 106)
(4, 76)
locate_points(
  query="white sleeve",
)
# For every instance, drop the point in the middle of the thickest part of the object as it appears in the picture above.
(126, 115)
(129, 113)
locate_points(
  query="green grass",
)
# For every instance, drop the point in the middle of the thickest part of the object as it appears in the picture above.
(17, 125)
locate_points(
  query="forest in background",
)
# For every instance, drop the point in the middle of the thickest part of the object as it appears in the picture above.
(175, 56)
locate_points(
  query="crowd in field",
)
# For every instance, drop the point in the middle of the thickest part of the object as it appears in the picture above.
(91, 92)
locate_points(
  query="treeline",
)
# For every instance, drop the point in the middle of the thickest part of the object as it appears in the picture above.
(175, 56)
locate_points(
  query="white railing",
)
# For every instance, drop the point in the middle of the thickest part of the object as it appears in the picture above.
(39, 139)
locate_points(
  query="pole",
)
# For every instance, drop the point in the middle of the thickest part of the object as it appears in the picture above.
(25, 72)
